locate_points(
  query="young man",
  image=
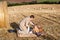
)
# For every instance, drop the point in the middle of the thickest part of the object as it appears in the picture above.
(24, 24)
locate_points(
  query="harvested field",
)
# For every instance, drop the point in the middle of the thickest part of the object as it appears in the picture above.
(46, 15)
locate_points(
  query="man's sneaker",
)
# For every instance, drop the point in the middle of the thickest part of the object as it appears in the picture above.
(30, 32)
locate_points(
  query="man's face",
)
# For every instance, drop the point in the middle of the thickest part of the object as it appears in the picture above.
(31, 19)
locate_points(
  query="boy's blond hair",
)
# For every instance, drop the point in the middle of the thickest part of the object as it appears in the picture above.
(37, 29)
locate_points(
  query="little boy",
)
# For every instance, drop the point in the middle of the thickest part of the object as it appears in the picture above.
(38, 30)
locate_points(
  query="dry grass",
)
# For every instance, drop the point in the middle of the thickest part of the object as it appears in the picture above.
(48, 16)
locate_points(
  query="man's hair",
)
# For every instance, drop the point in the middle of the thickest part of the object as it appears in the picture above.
(31, 16)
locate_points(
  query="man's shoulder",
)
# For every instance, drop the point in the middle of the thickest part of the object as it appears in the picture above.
(27, 18)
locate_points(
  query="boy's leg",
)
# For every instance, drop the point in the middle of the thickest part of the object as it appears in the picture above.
(37, 33)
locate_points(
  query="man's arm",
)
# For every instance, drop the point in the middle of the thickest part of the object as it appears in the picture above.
(28, 28)
(27, 22)
(32, 23)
